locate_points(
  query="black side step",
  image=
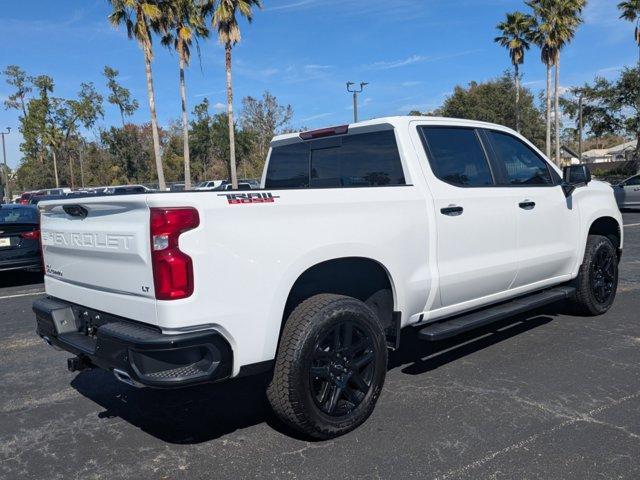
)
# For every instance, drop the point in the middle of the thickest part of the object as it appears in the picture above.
(479, 318)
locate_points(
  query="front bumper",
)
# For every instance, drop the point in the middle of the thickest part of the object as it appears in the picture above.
(137, 354)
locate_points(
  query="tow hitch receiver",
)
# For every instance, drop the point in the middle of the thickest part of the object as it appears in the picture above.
(77, 364)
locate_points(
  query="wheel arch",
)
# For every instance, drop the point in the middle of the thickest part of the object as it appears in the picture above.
(609, 227)
(353, 276)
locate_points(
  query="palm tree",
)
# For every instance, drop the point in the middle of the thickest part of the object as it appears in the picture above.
(142, 18)
(516, 32)
(630, 10)
(185, 22)
(225, 20)
(557, 21)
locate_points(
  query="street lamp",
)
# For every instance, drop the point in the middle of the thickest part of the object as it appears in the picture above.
(4, 170)
(355, 97)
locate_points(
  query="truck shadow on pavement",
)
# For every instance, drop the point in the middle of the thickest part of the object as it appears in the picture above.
(206, 412)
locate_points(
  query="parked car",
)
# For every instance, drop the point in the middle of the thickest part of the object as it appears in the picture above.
(126, 190)
(229, 186)
(438, 224)
(176, 187)
(627, 192)
(19, 238)
(25, 198)
(209, 184)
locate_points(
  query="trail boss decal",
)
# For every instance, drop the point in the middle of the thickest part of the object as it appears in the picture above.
(254, 197)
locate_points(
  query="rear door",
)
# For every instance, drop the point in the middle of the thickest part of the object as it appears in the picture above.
(475, 221)
(548, 222)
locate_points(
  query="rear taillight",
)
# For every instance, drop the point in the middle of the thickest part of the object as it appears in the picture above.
(34, 235)
(172, 268)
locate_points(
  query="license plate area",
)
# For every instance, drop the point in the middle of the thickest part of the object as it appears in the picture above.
(5, 242)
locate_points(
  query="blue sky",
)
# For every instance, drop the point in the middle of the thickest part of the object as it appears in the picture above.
(413, 52)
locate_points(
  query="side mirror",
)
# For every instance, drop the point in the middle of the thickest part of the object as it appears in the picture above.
(575, 176)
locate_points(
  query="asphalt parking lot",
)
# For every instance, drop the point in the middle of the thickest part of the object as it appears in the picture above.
(545, 395)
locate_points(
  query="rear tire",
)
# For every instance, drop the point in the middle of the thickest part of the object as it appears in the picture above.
(330, 367)
(597, 279)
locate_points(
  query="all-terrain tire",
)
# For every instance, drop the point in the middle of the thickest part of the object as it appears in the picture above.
(292, 391)
(597, 279)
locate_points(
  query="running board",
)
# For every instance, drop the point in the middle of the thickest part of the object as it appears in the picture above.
(480, 318)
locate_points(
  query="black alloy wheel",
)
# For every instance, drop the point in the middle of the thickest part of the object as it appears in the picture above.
(342, 368)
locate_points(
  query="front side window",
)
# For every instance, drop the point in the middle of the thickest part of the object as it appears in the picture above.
(456, 156)
(356, 160)
(633, 181)
(523, 165)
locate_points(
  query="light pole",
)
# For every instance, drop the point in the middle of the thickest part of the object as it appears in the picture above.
(580, 127)
(5, 173)
(355, 97)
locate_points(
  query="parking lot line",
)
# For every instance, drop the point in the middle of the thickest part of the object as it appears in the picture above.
(633, 225)
(23, 295)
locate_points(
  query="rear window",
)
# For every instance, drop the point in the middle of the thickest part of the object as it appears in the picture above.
(456, 156)
(357, 160)
(18, 215)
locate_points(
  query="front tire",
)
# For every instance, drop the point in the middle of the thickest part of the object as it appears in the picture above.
(330, 367)
(597, 279)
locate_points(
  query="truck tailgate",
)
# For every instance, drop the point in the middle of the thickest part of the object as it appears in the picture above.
(97, 254)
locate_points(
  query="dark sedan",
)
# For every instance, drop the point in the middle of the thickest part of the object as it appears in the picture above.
(19, 238)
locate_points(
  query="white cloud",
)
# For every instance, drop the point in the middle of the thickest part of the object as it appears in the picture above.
(220, 106)
(411, 83)
(387, 65)
(316, 117)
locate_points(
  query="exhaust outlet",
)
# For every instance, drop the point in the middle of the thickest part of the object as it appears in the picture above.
(124, 377)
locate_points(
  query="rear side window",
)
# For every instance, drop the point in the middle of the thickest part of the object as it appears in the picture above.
(523, 165)
(289, 167)
(457, 157)
(357, 160)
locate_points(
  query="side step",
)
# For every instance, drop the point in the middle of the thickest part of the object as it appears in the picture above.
(480, 318)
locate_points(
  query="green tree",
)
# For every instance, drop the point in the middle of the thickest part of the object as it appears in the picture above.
(21, 83)
(630, 10)
(264, 117)
(68, 116)
(185, 23)
(141, 18)
(491, 101)
(613, 107)
(225, 20)
(556, 25)
(119, 95)
(515, 34)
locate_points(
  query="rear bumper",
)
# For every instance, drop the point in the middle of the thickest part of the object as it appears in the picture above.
(33, 264)
(137, 354)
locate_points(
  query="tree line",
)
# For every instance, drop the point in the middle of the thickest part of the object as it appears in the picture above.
(611, 107)
(178, 24)
(56, 152)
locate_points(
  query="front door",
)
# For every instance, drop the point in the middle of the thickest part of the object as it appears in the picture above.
(548, 222)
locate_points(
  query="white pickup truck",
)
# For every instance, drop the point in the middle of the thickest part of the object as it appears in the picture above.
(357, 231)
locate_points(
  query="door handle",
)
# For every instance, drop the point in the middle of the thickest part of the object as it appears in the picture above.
(527, 205)
(452, 211)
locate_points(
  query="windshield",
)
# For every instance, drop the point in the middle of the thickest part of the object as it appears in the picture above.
(18, 215)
